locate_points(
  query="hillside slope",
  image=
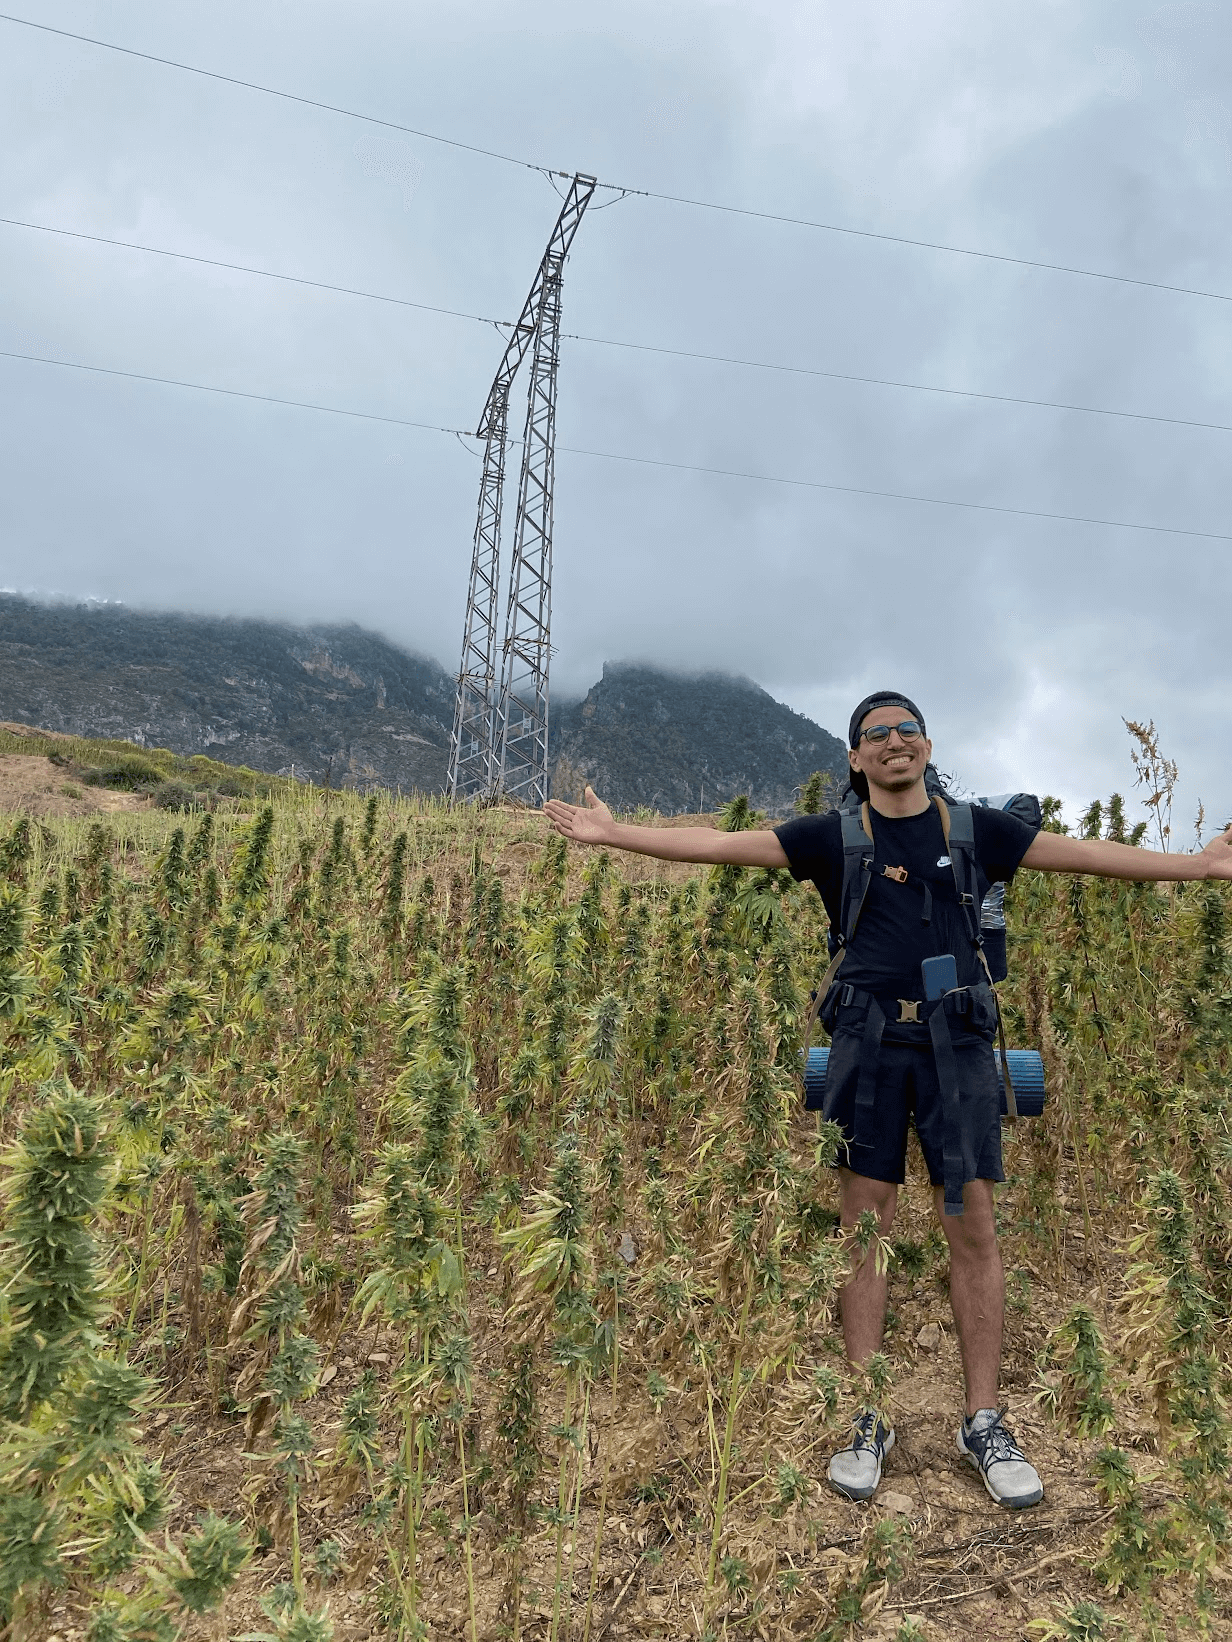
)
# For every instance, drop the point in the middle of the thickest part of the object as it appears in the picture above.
(337, 705)
(386, 1126)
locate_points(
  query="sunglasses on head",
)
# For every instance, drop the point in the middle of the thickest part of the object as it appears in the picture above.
(875, 733)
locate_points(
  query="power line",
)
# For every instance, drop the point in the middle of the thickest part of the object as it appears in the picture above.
(286, 96)
(232, 393)
(634, 347)
(901, 496)
(915, 387)
(641, 461)
(629, 192)
(244, 268)
(919, 244)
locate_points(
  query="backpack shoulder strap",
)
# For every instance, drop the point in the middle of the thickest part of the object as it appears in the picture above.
(858, 850)
(958, 829)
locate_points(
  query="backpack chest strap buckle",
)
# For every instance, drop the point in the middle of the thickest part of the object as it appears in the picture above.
(908, 1010)
(899, 874)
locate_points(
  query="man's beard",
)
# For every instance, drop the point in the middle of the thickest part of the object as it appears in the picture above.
(898, 781)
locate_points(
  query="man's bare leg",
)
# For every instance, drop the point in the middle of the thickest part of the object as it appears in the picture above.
(863, 1298)
(855, 1470)
(977, 1289)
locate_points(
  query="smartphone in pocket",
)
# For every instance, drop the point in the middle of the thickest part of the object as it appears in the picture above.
(939, 975)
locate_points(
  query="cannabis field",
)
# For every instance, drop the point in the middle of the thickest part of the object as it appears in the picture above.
(411, 1227)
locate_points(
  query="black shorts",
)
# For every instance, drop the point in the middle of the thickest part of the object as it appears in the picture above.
(907, 1091)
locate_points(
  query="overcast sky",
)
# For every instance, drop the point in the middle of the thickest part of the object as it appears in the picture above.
(1088, 133)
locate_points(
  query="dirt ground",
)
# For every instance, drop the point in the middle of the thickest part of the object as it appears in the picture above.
(36, 786)
(975, 1571)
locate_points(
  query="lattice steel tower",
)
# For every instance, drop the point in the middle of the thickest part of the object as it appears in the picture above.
(500, 735)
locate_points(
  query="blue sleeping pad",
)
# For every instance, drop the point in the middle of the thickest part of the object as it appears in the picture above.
(1026, 1074)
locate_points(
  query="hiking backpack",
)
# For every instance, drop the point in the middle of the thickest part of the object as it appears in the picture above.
(1026, 806)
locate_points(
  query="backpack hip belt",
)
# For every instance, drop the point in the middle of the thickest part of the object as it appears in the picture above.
(935, 1014)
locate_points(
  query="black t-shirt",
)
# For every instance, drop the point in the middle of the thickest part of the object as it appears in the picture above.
(891, 937)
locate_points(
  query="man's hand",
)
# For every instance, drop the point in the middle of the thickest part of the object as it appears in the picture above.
(589, 824)
(1218, 855)
(594, 823)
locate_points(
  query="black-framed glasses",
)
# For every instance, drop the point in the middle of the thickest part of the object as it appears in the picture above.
(908, 729)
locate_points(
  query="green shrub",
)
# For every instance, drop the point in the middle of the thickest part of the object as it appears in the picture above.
(174, 795)
(127, 773)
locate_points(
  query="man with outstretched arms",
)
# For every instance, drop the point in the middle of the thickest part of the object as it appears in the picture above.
(895, 1059)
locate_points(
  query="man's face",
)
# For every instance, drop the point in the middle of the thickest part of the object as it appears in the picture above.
(892, 765)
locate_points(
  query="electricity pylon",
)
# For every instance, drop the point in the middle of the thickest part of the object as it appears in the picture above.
(500, 737)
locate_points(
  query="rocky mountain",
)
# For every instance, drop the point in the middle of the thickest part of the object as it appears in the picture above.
(331, 704)
(343, 706)
(686, 743)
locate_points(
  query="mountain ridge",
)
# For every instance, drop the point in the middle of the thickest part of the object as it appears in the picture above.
(345, 707)
(715, 734)
(334, 703)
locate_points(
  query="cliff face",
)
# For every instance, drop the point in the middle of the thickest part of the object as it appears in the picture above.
(679, 743)
(333, 704)
(344, 706)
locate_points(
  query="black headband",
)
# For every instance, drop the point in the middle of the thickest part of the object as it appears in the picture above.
(880, 698)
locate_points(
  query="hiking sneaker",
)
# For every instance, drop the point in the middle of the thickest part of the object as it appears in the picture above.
(989, 1444)
(855, 1470)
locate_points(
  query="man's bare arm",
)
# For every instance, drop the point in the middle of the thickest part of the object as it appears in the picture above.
(594, 824)
(1054, 852)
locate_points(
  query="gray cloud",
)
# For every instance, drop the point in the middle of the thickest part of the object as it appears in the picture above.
(390, 162)
(1094, 134)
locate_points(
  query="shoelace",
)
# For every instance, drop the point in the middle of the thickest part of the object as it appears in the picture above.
(997, 1442)
(864, 1432)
